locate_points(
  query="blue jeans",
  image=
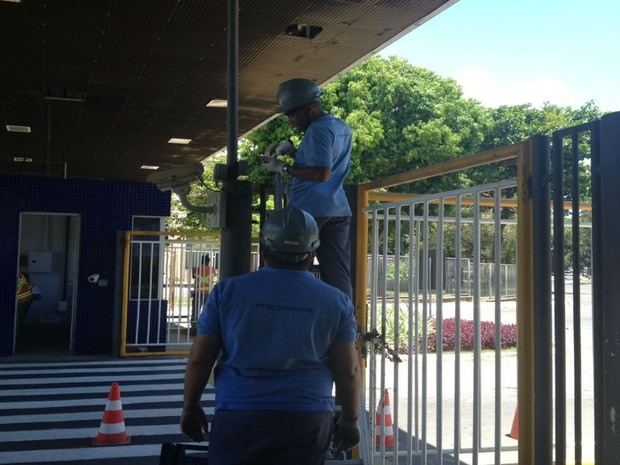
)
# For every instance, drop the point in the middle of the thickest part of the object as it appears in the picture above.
(273, 437)
(334, 253)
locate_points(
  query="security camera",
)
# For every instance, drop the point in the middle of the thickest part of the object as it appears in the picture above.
(177, 179)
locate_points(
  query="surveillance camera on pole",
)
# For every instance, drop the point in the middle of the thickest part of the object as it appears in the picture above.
(178, 180)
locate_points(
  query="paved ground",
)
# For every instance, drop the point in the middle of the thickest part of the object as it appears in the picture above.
(498, 394)
(50, 412)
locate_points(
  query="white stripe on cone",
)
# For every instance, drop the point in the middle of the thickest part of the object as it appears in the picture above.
(112, 428)
(113, 405)
(384, 434)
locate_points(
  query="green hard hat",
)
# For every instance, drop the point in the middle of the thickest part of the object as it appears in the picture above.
(295, 92)
(291, 233)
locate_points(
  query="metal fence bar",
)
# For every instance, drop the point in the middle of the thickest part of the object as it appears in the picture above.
(497, 252)
(425, 371)
(425, 317)
(386, 233)
(559, 298)
(477, 397)
(457, 341)
(543, 321)
(575, 184)
(439, 259)
(396, 321)
(159, 294)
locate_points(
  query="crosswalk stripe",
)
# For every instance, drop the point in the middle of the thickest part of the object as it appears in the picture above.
(87, 371)
(91, 379)
(73, 433)
(84, 402)
(49, 412)
(104, 389)
(54, 455)
(94, 415)
(101, 363)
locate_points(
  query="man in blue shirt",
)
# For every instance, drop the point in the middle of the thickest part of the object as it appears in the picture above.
(322, 163)
(281, 338)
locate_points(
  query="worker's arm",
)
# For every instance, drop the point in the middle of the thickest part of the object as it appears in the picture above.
(310, 173)
(202, 358)
(345, 369)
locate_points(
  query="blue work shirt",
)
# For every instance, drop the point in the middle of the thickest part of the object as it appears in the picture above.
(276, 327)
(326, 143)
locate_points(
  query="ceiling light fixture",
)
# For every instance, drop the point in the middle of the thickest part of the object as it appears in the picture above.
(22, 159)
(16, 128)
(217, 103)
(11, 1)
(177, 140)
(149, 167)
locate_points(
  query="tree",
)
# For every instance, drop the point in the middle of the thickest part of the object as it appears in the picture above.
(405, 118)
(402, 117)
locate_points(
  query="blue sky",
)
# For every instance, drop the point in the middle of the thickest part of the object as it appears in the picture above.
(523, 51)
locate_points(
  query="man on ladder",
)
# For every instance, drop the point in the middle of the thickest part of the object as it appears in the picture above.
(321, 166)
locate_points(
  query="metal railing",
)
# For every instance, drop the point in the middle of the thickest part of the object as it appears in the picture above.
(449, 404)
(439, 377)
(161, 293)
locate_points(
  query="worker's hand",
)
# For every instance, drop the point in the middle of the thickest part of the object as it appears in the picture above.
(194, 423)
(272, 164)
(346, 434)
(270, 150)
(286, 148)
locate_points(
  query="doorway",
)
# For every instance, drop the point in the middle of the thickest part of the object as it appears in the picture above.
(48, 257)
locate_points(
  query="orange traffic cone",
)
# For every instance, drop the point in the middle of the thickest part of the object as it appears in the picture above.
(514, 431)
(386, 433)
(112, 430)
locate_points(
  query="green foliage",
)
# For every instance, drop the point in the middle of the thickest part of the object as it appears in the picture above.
(404, 318)
(405, 118)
(403, 270)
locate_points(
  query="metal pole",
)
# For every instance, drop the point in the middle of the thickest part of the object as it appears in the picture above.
(233, 91)
(606, 320)
(559, 293)
(541, 246)
(237, 233)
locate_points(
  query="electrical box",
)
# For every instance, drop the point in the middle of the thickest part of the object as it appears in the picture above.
(39, 262)
(216, 218)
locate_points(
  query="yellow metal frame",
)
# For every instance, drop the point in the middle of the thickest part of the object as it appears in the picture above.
(126, 263)
(521, 153)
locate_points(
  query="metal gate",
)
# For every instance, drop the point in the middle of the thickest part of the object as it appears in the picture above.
(560, 395)
(454, 391)
(578, 376)
(164, 276)
(434, 316)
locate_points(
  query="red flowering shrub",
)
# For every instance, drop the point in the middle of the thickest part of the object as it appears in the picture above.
(487, 335)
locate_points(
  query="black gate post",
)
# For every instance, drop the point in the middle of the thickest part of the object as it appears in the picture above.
(543, 363)
(606, 294)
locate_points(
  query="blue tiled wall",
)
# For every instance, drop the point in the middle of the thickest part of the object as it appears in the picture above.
(104, 208)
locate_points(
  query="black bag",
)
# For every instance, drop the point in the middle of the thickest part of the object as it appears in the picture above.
(176, 454)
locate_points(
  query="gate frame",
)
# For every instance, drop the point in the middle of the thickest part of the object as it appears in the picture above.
(126, 286)
(522, 153)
